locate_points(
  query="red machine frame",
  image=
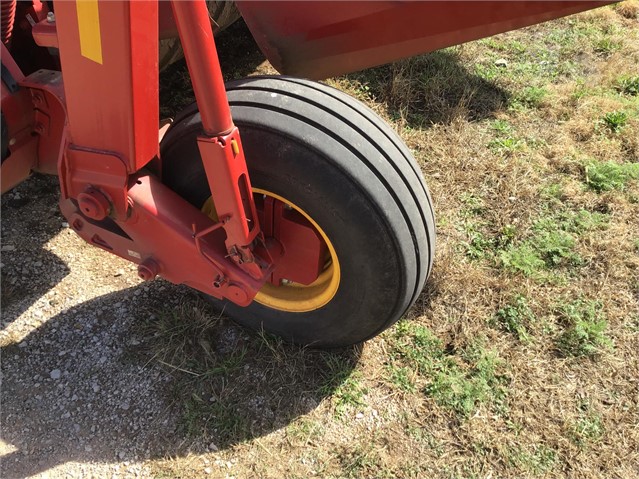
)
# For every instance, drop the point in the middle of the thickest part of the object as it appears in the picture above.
(96, 126)
(99, 130)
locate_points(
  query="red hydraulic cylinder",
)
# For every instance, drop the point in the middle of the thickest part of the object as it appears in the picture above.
(220, 146)
(194, 26)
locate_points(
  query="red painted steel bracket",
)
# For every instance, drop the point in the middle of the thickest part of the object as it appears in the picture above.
(228, 179)
(108, 197)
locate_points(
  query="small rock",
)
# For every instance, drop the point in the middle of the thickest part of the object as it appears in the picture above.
(208, 470)
(8, 247)
(55, 374)
(213, 447)
(501, 63)
(121, 455)
(125, 406)
(359, 415)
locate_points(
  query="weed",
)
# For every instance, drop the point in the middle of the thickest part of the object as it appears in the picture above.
(555, 247)
(585, 332)
(538, 462)
(478, 245)
(516, 318)
(506, 141)
(587, 429)
(462, 389)
(608, 175)
(551, 244)
(628, 85)
(502, 127)
(606, 45)
(422, 435)
(473, 205)
(415, 345)
(506, 235)
(224, 418)
(615, 120)
(530, 97)
(402, 378)
(305, 430)
(579, 222)
(553, 191)
(507, 145)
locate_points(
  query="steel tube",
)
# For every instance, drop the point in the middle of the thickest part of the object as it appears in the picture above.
(196, 35)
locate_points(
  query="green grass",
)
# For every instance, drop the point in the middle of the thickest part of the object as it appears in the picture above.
(551, 243)
(463, 388)
(459, 382)
(585, 329)
(607, 175)
(628, 85)
(541, 460)
(516, 318)
(588, 429)
(615, 121)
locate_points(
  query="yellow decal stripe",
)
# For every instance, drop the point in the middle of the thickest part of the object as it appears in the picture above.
(89, 24)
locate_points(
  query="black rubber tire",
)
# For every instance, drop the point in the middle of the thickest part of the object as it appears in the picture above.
(338, 161)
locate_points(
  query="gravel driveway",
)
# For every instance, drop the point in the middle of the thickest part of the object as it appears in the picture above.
(79, 396)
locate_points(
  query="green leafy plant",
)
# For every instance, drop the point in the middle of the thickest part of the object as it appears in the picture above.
(628, 85)
(615, 120)
(585, 334)
(605, 176)
(516, 318)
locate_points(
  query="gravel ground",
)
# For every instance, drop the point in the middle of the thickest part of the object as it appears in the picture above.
(80, 398)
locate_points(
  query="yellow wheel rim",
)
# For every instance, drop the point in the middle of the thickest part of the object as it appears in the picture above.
(295, 297)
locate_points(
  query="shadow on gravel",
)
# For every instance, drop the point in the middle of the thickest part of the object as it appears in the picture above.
(28, 270)
(150, 372)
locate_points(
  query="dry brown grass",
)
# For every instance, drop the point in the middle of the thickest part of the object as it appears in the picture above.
(502, 150)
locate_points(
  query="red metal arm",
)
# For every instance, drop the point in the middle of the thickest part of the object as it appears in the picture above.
(220, 146)
(108, 52)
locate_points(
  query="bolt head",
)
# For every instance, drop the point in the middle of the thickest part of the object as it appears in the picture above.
(148, 270)
(94, 205)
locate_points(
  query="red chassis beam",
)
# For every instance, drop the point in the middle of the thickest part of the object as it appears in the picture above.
(109, 102)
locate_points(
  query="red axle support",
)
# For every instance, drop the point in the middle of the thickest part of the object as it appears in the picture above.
(220, 145)
(111, 86)
(165, 235)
